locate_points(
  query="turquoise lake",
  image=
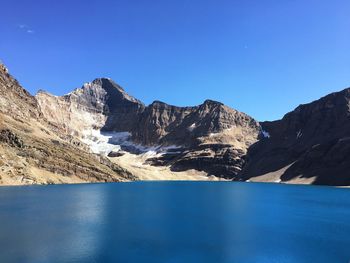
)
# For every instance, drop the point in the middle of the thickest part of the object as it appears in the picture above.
(168, 222)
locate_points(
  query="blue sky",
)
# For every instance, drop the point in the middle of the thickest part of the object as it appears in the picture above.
(260, 57)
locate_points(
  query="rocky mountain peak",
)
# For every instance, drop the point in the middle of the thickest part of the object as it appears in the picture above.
(3, 68)
(212, 103)
(34, 150)
(14, 99)
(109, 88)
(158, 103)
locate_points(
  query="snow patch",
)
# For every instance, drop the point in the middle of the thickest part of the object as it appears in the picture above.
(278, 181)
(106, 142)
(192, 127)
(299, 134)
(103, 142)
(265, 134)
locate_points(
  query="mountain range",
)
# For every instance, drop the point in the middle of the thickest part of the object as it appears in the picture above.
(100, 133)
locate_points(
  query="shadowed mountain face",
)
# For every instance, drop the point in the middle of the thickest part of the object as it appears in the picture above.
(311, 142)
(122, 110)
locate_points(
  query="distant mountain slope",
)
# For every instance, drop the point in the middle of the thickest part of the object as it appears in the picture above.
(310, 144)
(32, 150)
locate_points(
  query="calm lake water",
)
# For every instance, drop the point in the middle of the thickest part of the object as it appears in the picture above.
(172, 222)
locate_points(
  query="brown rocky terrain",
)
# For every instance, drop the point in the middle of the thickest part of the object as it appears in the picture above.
(34, 151)
(215, 139)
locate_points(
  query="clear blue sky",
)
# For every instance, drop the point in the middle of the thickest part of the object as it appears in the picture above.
(261, 57)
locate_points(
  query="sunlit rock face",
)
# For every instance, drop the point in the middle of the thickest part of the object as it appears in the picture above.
(101, 112)
(100, 104)
(34, 150)
(310, 144)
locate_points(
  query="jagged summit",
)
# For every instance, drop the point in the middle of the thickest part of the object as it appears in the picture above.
(105, 87)
(212, 102)
(160, 103)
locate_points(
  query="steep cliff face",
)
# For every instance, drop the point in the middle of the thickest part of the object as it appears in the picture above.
(309, 144)
(215, 139)
(157, 121)
(33, 150)
(100, 104)
(213, 122)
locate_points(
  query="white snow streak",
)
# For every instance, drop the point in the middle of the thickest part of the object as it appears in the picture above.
(106, 142)
(265, 134)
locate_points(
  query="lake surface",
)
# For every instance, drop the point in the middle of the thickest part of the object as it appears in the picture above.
(170, 222)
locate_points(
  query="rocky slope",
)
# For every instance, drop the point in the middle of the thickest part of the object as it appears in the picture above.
(210, 137)
(310, 144)
(32, 150)
(14, 100)
(215, 139)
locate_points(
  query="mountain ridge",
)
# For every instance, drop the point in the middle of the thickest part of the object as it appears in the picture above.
(158, 125)
(300, 144)
(308, 145)
(223, 155)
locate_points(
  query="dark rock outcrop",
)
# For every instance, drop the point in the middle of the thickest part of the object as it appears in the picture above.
(116, 154)
(121, 109)
(218, 159)
(8, 137)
